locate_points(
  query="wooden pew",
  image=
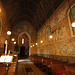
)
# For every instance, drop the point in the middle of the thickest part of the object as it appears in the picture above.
(57, 69)
(56, 66)
(69, 70)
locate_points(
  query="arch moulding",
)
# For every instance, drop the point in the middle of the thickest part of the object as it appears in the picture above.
(29, 41)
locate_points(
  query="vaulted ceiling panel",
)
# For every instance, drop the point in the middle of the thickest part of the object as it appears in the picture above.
(41, 14)
(33, 5)
(45, 4)
(34, 11)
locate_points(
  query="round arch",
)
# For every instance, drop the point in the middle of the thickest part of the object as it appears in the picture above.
(29, 40)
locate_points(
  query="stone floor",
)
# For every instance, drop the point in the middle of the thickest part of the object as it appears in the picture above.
(26, 67)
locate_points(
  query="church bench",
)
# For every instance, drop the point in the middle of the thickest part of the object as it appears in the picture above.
(37, 71)
(69, 70)
(57, 68)
(46, 64)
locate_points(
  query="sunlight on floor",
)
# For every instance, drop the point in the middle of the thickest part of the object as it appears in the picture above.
(25, 61)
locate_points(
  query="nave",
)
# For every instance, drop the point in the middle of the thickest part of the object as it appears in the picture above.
(42, 31)
(26, 67)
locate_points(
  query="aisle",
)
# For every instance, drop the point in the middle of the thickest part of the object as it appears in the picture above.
(26, 67)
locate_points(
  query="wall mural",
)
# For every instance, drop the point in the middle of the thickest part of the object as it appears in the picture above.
(59, 44)
(62, 43)
(24, 27)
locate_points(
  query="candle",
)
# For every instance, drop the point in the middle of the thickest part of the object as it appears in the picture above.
(6, 47)
(9, 52)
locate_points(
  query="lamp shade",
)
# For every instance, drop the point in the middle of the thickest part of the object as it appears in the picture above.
(13, 39)
(36, 43)
(14, 42)
(41, 41)
(73, 24)
(8, 32)
(50, 36)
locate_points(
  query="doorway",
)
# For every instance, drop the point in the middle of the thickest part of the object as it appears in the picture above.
(22, 51)
(23, 43)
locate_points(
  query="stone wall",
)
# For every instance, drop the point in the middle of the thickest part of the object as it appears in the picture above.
(62, 43)
(4, 27)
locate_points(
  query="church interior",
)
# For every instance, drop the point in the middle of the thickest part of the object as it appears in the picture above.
(37, 37)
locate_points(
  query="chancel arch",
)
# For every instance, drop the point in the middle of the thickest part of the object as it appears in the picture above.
(29, 40)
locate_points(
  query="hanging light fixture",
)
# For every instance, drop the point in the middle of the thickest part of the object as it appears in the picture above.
(14, 42)
(30, 46)
(71, 16)
(8, 32)
(36, 43)
(73, 24)
(33, 45)
(13, 39)
(50, 36)
(41, 41)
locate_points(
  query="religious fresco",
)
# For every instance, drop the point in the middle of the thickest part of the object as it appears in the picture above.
(60, 44)
(59, 16)
(21, 27)
(56, 49)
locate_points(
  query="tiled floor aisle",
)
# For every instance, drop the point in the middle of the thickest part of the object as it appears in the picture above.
(26, 67)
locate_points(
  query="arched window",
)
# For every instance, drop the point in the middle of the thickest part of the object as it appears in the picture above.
(6, 47)
(48, 31)
(71, 18)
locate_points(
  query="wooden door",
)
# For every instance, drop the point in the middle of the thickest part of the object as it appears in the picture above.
(22, 51)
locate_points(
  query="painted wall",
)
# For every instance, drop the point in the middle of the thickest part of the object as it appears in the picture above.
(4, 27)
(62, 42)
(20, 28)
